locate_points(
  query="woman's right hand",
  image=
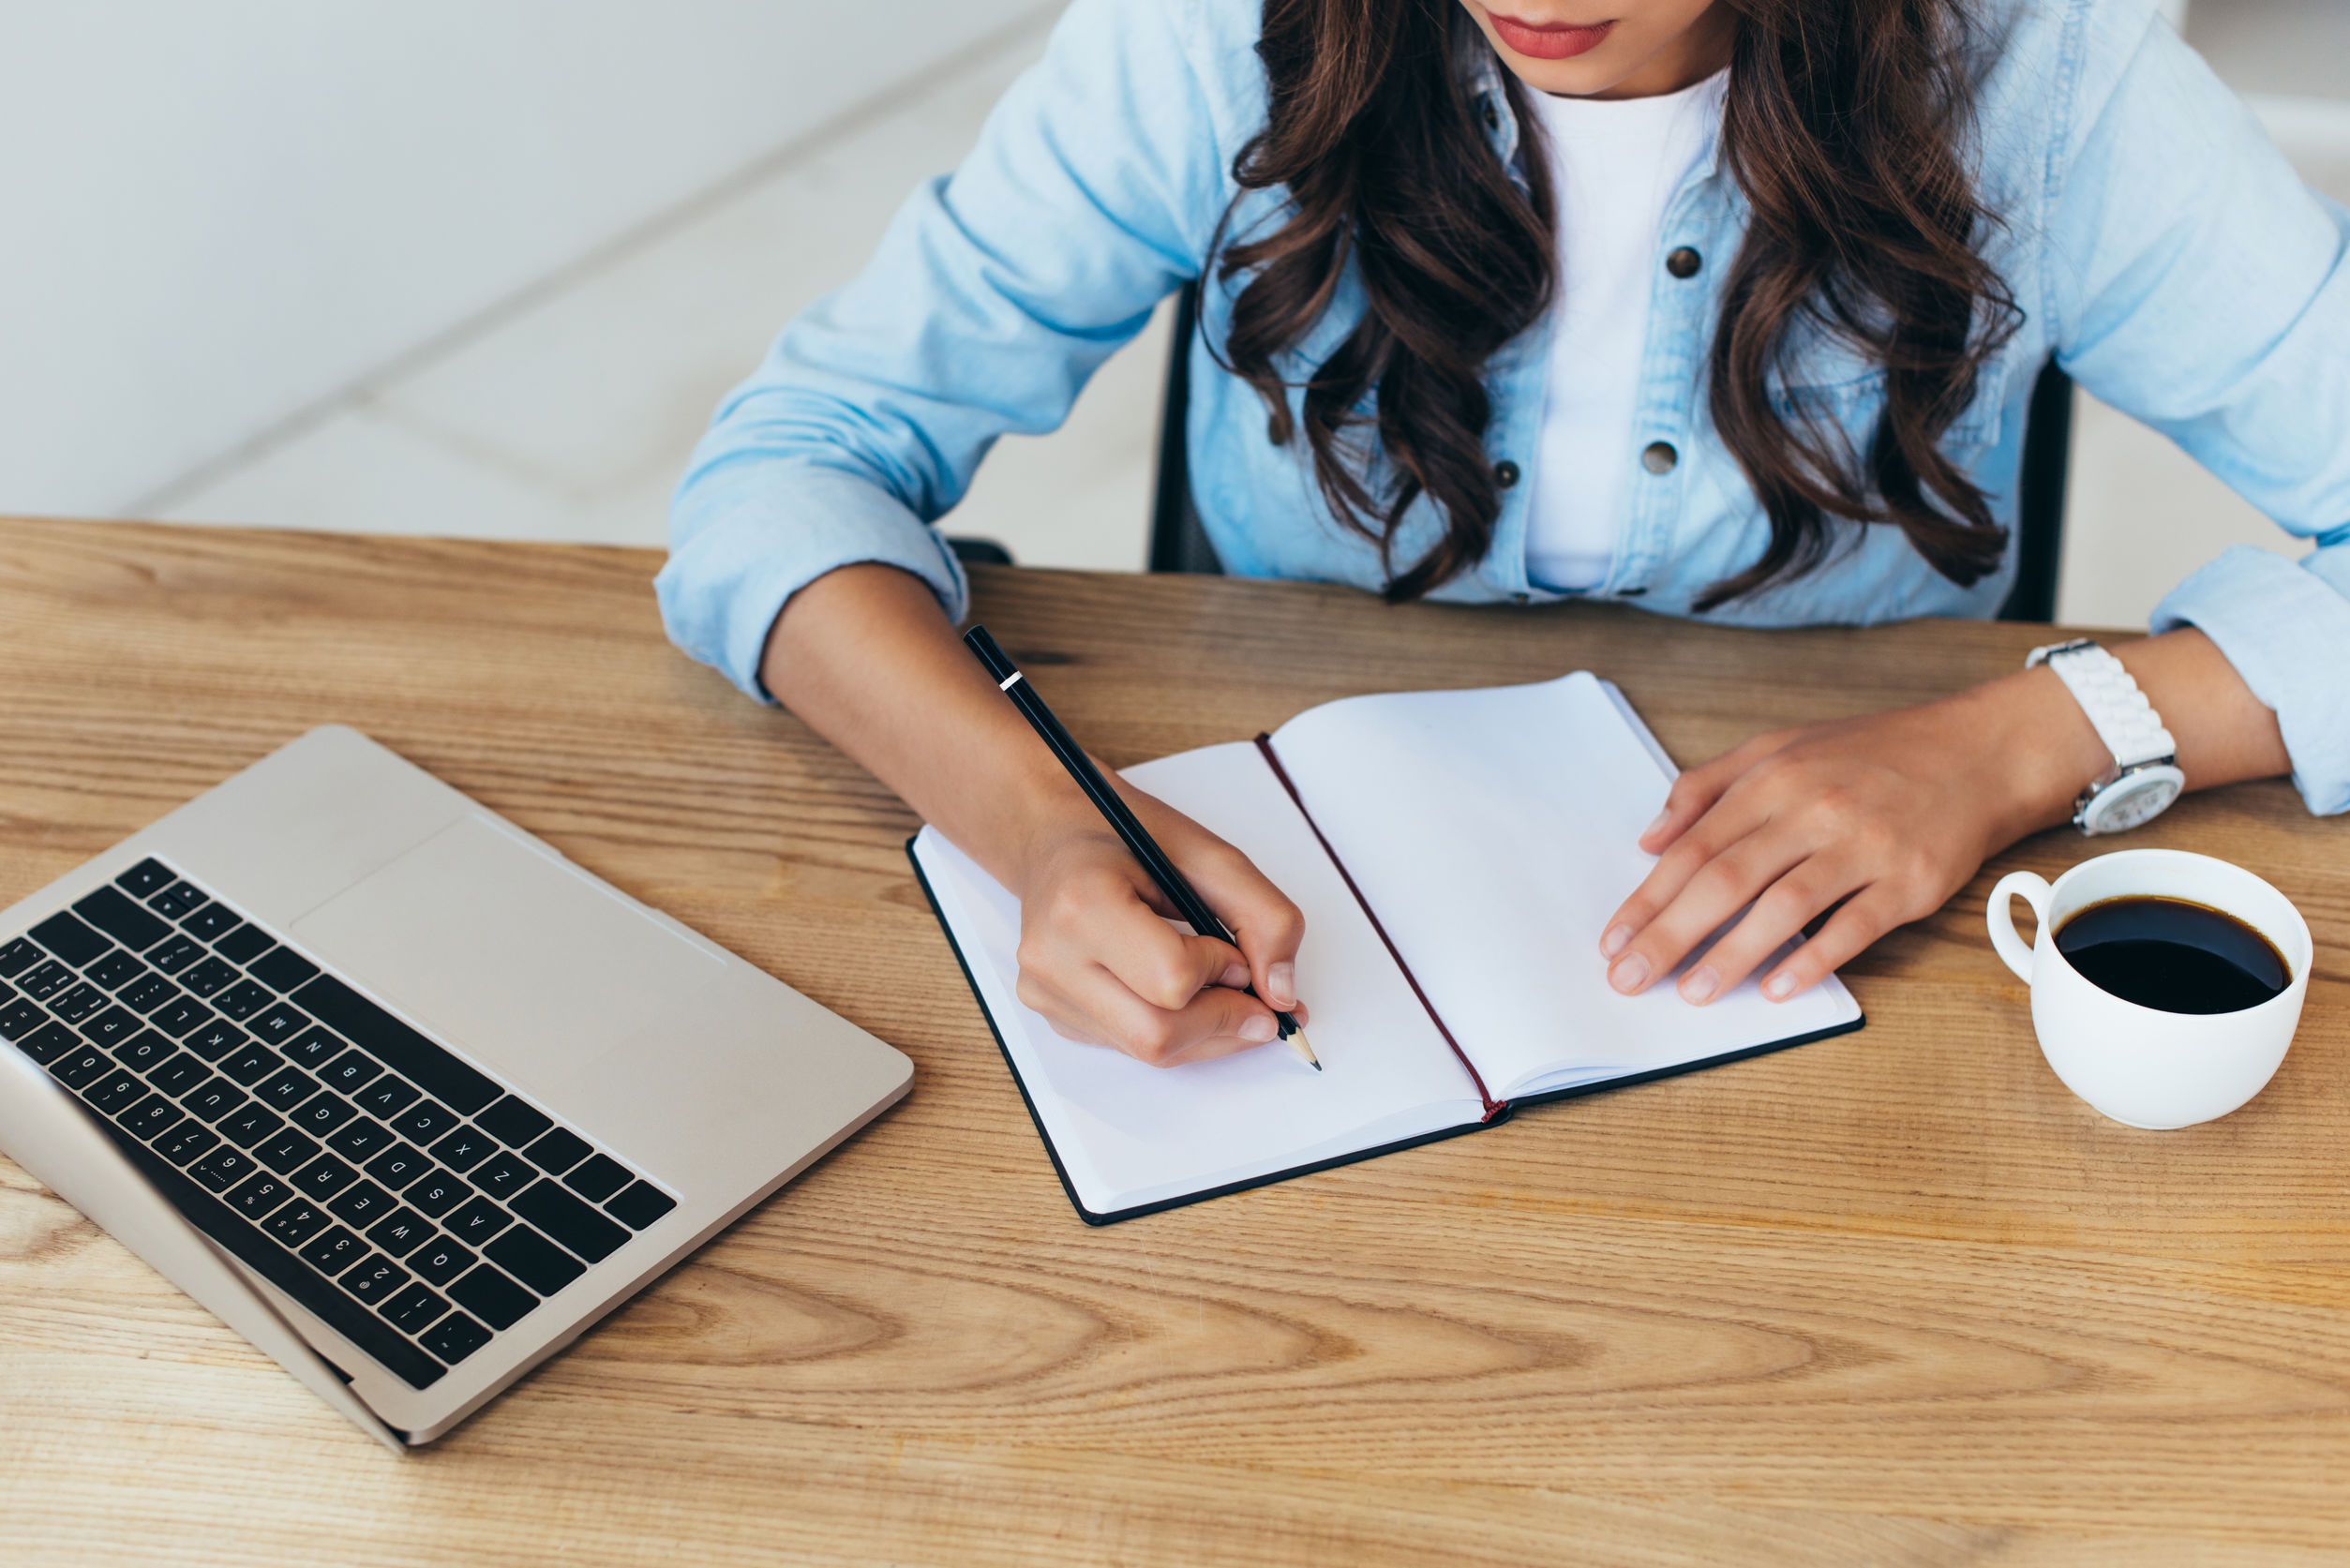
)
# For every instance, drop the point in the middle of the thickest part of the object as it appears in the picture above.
(864, 656)
(1104, 960)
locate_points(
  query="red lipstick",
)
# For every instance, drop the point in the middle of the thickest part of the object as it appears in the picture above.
(1549, 41)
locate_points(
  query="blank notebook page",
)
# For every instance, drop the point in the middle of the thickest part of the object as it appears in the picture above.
(1494, 832)
(1129, 1134)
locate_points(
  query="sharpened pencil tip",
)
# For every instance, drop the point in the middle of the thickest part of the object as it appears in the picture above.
(1305, 1052)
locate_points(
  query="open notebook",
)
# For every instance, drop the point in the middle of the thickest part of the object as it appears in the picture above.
(1489, 833)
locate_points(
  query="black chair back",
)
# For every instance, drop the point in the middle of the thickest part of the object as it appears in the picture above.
(1179, 543)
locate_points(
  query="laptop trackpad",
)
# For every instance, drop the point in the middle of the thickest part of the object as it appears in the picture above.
(510, 954)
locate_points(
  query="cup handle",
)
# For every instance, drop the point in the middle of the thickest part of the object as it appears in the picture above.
(2001, 914)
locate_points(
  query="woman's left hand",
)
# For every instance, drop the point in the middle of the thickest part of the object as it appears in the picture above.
(1887, 815)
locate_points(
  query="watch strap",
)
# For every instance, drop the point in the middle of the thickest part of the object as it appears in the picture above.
(2124, 720)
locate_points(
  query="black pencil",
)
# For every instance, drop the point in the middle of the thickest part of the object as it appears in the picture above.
(1098, 789)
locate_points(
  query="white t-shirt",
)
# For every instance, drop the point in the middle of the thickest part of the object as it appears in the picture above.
(1615, 164)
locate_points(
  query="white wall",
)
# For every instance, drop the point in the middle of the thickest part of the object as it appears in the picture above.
(212, 215)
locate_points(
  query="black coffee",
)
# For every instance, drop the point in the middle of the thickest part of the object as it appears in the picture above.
(2168, 953)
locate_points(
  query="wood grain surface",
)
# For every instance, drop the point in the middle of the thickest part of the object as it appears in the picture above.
(1892, 1298)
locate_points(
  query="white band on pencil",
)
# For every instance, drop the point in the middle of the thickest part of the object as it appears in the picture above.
(1005, 685)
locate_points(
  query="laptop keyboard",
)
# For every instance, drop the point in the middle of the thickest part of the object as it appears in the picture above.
(401, 1195)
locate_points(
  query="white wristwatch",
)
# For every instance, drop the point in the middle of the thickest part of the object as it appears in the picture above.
(2145, 776)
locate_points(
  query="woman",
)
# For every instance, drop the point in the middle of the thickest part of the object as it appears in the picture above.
(1728, 307)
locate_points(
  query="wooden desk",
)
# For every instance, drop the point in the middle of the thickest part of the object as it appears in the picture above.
(1896, 1297)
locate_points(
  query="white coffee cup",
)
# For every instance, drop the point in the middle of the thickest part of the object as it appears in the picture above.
(2140, 1066)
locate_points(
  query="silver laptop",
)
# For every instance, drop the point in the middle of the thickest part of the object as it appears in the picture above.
(394, 1088)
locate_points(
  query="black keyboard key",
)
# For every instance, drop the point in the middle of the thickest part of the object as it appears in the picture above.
(570, 1221)
(437, 1192)
(413, 1308)
(251, 1063)
(110, 1027)
(277, 1024)
(175, 954)
(224, 1167)
(463, 1149)
(208, 978)
(19, 1019)
(361, 1140)
(314, 1048)
(187, 1141)
(81, 1067)
(598, 1179)
(387, 1097)
(245, 944)
(640, 1205)
(440, 1261)
(115, 971)
(350, 1072)
(78, 1004)
(514, 1122)
(180, 1073)
(399, 1232)
(321, 1115)
(46, 979)
(147, 877)
(398, 1047)
(533, 1259)
(181, 1016)
(48, 1042)
(282, 970)
(261, 1196)
(334, 1251)
(502, 1176)
(212, 923)
(397, 1165)
(296, 1222)
(17, 957)
(322, 1178)
(152, 1117)
(148, 992)
(453, 1338)
(477, 1222)
(144, 1050)
(374, 1279)
(558, 1151)
(243, 999)
(178, 901)
(495, 1298)
(250, 1125)
(216, 1039)
(111, 1093)
(363, 1205)
(214, 1098)
(286, 1088)
(423, 1124)
(76, 944)
(9, 993)
(287, 1151)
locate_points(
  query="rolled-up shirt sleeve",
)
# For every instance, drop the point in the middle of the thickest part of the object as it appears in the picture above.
(2199, 285)
(996, 293)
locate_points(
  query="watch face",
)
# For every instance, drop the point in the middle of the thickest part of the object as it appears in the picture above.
(2131, 799)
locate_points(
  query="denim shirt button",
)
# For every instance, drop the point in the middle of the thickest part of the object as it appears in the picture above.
(1682, 261)
(1506, 473)
(1519, 598)
(1492, 117)
(1659, 457)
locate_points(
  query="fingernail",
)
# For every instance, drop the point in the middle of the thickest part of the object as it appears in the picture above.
(1629, 974)
(1779, 987)
(1260, 1028)
(1618, 938)
(1235, 976)
(1699, 984)
(1282, 980)
(1662, 817)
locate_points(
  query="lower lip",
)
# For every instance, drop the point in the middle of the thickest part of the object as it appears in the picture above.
(1550, 43)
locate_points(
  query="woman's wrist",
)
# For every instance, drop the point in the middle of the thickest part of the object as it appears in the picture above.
(2035, 748)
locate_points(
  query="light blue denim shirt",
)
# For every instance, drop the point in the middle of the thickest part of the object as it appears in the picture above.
(2163, 253)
